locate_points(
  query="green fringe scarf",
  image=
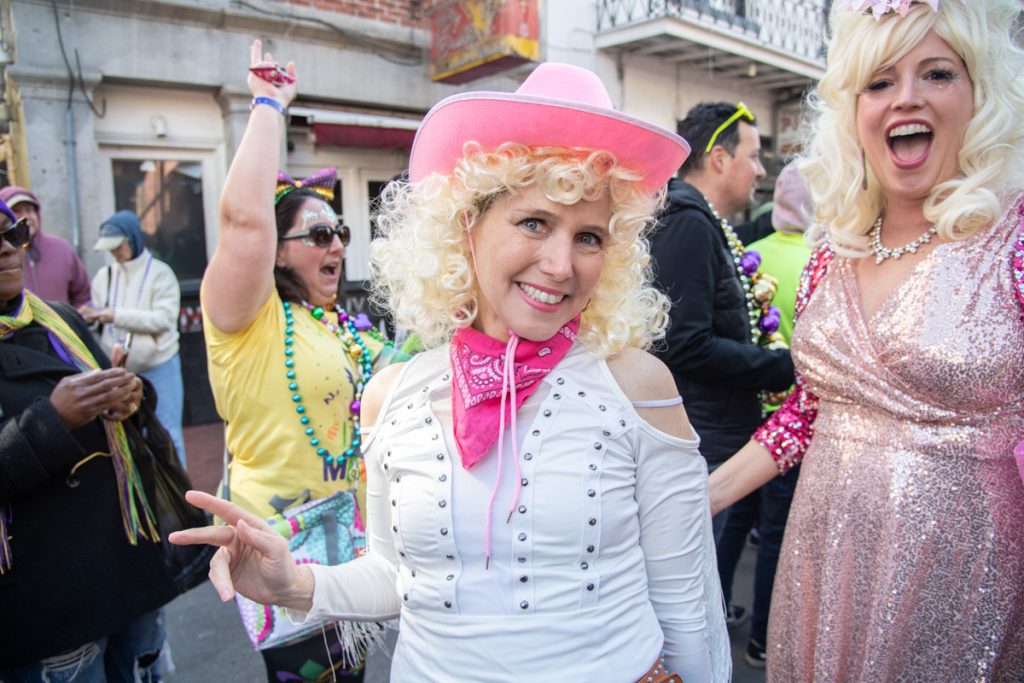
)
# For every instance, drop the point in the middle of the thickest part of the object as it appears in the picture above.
(136, 514)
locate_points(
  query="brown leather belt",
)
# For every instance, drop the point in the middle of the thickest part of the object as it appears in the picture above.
(659, 674)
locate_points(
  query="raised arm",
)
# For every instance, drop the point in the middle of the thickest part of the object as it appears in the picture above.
(240, 276)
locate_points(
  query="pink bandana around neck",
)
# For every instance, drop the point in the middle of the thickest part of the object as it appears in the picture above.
(478, 366)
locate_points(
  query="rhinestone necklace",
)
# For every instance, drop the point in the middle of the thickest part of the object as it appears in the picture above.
(882, 253)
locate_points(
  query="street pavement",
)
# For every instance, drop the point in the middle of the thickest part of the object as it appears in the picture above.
(209, 645)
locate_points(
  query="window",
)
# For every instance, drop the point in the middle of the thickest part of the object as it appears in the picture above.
(167, 196)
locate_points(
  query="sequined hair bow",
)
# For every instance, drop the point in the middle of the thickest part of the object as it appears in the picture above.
(322, 182)
(881, 7)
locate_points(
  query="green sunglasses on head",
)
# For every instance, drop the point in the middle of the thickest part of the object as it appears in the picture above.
(741, 111)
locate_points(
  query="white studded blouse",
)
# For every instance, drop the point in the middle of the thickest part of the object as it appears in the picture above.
(605, 562)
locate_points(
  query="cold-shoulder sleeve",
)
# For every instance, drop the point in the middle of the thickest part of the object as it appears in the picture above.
(787, 433)
(675, 534)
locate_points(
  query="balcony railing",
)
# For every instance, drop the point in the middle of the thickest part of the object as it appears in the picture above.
(795, 27)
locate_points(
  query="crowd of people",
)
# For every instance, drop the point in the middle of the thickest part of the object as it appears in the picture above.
(614, 387)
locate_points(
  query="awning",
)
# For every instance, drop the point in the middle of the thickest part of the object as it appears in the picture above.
(352, 129)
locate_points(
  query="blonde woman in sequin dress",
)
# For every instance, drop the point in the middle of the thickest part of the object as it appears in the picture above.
(904, 551)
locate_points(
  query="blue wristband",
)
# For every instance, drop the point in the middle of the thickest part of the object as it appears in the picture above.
(270, 101)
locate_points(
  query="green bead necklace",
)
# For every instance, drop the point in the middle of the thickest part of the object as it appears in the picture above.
(361, 358)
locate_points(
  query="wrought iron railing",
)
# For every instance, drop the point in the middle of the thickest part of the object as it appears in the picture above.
(796, 27)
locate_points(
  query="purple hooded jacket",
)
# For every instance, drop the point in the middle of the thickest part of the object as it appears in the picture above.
(53, 270)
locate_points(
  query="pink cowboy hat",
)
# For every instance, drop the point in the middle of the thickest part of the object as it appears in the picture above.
(559, 105)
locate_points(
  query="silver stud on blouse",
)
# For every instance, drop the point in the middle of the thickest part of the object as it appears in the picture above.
(444, 531)
(536, 432)
(450, 577)
(528, 456)
(523, 579)
(592, 521)
(584, 565)
(590, 548)
(592, 466)
(442, 503)
(524, 604)
(602, 407)
(440, 456)
(522, 509)
(524, 481)
(591, 493)
(443, 477)
(522, 537)
(448, 604)
(590, 586)
(428, 419)
(560, 381)
(597, 445)
(547, 413)
(582, 394)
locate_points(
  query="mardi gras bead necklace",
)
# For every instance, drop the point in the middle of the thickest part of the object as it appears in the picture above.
(347, 331)
(759, 288)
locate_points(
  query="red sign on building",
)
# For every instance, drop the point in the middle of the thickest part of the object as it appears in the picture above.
(471, 39)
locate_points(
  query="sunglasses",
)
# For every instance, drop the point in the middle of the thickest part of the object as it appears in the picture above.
(322, 235)
(741, 111)
(18, 234)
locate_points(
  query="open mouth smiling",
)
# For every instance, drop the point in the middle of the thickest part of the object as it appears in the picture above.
(909, 143)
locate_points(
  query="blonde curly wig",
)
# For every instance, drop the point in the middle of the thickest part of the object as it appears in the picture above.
(991, 156)
(422, 267)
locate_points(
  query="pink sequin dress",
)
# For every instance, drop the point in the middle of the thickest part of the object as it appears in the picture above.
(904, 552)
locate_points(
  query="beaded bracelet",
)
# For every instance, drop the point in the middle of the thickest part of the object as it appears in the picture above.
(270, 101)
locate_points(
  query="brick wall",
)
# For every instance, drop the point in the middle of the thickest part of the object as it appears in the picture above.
(403, 12)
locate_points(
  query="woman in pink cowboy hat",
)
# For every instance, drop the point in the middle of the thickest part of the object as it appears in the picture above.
(537, 506)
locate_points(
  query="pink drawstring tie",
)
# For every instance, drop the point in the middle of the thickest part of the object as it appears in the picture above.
(508, 388)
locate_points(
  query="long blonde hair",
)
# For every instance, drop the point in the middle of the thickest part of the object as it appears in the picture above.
(992, 153)
(422, 268)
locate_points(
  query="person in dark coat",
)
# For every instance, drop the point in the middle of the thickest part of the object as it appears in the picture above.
(713, 345)
(81, 578)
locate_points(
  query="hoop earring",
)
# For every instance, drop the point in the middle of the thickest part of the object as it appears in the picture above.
(864, 170)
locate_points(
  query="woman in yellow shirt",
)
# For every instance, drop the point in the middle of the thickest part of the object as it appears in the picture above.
(287, 364)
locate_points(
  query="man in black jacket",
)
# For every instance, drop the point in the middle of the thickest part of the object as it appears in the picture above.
(710, 346)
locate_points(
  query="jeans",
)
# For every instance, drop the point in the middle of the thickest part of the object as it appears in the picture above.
(131, 655)
(768, 509)
(170, 400)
